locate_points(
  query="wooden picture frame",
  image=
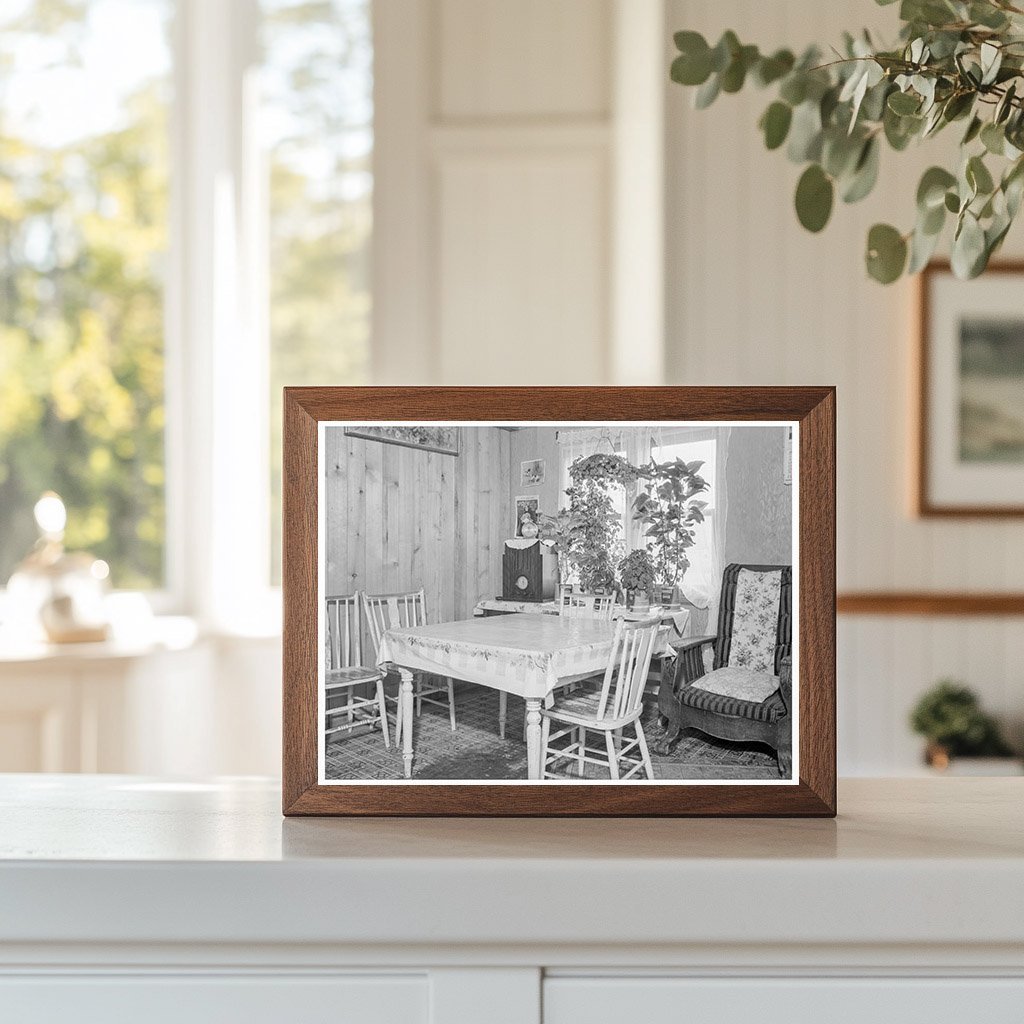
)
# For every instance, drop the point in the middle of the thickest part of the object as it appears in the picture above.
(935, 474)
(812, 790)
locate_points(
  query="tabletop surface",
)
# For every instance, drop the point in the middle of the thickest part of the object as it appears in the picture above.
(543, 634)
(123, 862)
(128, 818)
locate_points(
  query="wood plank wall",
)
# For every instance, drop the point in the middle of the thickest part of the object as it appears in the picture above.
(398, 519)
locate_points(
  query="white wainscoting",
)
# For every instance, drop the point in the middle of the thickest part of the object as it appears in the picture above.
(754, 299)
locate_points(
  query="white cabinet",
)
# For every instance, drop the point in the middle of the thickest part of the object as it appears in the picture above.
(824, 1000)
(205, 999)
(133, 898)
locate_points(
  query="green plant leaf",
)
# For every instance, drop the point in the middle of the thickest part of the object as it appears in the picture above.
(771, 69)
(973, 130)
(978, 176)
(931, 191)
(775, 124)
(886, 254)
(707, 93)
(805, 133)
(922, 248)
(904, 103)
(993, 138)
(865, 173)
(814, 195)
(693, 65)
(968, 255)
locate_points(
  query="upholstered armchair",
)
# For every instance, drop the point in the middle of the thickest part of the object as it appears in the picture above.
(747, 694)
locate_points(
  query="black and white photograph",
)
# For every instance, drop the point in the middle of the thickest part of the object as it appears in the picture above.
(631, 621)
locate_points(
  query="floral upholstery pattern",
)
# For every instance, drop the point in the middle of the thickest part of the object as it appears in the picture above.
(755, 620)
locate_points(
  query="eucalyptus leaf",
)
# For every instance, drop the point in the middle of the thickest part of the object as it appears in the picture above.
(886, 253)
(707, 93)
(814, 196)
(993, 138)
(922, 247)
(968, 247)
(775, 124)
(931, 191)
(978, 175)
(805, 133)
(904, 103)
(865, 173)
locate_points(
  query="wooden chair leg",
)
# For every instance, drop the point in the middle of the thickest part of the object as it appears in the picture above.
(451, 703)
(398, 720)
(382, 708)
(545, 733)
(644, 752)
(502, 712)
(581, 753)
(613, 756)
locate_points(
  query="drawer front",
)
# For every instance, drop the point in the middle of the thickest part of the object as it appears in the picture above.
(588, 1000)
(202, 999)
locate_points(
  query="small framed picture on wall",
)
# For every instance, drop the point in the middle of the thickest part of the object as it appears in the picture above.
(970, 444)
(531, 473)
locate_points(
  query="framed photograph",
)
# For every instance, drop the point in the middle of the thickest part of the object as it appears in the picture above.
(411, 689)
(531, 472)
(426, 437)
(970, 444)
(526, 504)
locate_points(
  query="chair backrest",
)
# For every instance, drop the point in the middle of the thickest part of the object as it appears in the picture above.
(625, 678)
(587, 606)
(344, 632)
(384, 611)
(755, 617)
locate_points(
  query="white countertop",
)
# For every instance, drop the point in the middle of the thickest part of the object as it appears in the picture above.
(120, 859)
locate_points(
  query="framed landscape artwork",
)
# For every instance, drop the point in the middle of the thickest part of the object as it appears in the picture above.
(439, 662)
(970, 450)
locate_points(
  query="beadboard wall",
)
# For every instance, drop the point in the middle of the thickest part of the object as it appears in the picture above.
(754, 299)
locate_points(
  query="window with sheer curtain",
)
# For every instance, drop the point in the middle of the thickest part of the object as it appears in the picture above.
(639, 444)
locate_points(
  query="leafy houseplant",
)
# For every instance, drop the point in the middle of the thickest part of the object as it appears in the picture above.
(636, 574)
(668, 507)
(956, 61)
(950, 718)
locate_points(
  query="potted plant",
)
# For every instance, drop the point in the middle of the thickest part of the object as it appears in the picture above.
(669, 507)
(636, 574)
(950, 718)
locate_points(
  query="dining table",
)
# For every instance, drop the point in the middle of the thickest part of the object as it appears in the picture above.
(521, 654)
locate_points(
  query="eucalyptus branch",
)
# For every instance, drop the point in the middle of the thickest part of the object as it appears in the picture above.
(953, 61)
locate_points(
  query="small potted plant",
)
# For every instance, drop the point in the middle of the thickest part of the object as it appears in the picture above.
(950, 718)
(636, 572)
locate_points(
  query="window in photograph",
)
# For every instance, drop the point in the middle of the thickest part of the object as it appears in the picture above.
(83, 239)
(317, 124)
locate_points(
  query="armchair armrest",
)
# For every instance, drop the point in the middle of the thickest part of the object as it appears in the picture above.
(690, 659)
(786, 683)
(684, 645)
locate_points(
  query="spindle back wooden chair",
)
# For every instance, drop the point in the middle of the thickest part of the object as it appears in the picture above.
(617, 705)
(347, 706)
(394, 611)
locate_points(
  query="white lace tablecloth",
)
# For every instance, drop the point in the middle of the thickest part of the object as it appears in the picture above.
(527, 655)
(678, 618)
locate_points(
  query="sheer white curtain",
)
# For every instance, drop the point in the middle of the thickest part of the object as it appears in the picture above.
(702, 582)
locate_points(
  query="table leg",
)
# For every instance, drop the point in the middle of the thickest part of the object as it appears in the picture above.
(406, 697)
(534, 754)
(502, 712)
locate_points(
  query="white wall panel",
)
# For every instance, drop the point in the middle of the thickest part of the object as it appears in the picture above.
(527, 58)
(754, 299)
(522, 279)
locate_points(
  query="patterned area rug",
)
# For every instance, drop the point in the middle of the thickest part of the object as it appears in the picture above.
(475, 751)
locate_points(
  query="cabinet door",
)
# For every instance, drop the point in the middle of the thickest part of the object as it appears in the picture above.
(206, 999)
(581, 1000)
